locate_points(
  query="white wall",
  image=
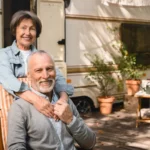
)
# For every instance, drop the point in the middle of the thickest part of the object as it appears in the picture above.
(84, 37)
(92, 36)
(98, 8)
(51, 14)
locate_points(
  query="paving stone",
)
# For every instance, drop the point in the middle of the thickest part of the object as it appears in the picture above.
(117, 131)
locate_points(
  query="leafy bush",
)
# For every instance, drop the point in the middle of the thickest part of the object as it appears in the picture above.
(127, 64)
(102, 74)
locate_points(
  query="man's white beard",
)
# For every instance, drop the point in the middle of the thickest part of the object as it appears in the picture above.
(44, 89)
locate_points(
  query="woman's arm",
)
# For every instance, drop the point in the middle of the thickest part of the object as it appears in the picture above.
(7, 78)
(61, 87)
(40, 103)
(13, 86)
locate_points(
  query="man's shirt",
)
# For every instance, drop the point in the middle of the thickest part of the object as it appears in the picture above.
(29, 129)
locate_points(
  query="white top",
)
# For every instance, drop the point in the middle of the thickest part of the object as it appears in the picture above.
(25, 54)
(56, 124)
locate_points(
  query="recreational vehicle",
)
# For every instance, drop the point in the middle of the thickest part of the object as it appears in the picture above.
(73, 28)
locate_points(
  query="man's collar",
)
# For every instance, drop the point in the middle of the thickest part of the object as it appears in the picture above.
(54, 97)
(40, 94)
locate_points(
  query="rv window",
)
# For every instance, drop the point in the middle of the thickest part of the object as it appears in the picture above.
(136, 37)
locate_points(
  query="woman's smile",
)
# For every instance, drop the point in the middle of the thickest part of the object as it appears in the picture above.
(25, 34)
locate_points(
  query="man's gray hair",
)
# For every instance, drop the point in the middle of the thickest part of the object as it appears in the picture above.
(39, 52)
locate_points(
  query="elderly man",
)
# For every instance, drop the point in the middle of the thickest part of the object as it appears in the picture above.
(29, 129)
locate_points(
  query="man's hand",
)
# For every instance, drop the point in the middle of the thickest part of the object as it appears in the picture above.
(40, 103)
(44, 106)
(63, 111)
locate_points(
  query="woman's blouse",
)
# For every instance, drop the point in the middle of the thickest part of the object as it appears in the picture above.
(12, 66)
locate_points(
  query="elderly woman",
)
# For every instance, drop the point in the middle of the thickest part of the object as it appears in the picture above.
(26, 27)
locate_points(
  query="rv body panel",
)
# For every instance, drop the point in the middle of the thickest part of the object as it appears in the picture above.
(53, 27)
(116, 11)
(89, 31)
(51, 13)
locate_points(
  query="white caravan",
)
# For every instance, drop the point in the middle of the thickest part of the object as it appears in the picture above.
(80, 28)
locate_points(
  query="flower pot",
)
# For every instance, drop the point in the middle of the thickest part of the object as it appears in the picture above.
(132, 86)
(106, 104)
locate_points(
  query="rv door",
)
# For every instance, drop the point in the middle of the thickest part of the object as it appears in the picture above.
(51, 13)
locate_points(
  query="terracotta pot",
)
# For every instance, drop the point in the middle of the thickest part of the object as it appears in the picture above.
(106, 104)
(132, 86)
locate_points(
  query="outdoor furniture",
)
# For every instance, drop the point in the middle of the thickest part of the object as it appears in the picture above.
(6, 100)
(141, 97)
(1, 141)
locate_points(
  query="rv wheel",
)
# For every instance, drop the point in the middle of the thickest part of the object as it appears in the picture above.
(83, 106)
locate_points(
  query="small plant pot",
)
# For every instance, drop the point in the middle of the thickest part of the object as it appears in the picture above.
(105, 104)
(132, 86)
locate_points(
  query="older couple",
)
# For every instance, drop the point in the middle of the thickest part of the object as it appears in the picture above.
(29, 129)
(32, 118)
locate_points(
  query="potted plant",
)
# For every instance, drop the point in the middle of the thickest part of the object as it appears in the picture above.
(130, 70)
(102, 74)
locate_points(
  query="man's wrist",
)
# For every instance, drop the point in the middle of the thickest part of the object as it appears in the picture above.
(72, 122)
(69, 120)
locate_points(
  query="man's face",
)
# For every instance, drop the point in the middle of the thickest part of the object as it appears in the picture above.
(42, 73)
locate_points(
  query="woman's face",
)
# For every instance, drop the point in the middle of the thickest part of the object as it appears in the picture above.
(25, 34)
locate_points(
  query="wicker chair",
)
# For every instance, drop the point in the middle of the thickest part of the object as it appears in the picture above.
(6, 100)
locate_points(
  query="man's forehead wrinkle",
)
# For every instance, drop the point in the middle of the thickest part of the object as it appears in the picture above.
(37, 59)
(42, 66)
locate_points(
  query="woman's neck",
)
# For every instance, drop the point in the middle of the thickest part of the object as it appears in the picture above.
(22, 47)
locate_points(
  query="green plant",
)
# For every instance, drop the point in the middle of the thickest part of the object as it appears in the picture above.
(127, 64)
(102, 73)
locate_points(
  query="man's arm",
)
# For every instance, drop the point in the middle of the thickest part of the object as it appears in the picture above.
(16, 128)
(82, 134)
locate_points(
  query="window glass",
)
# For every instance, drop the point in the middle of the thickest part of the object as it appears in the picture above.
(136, 37)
